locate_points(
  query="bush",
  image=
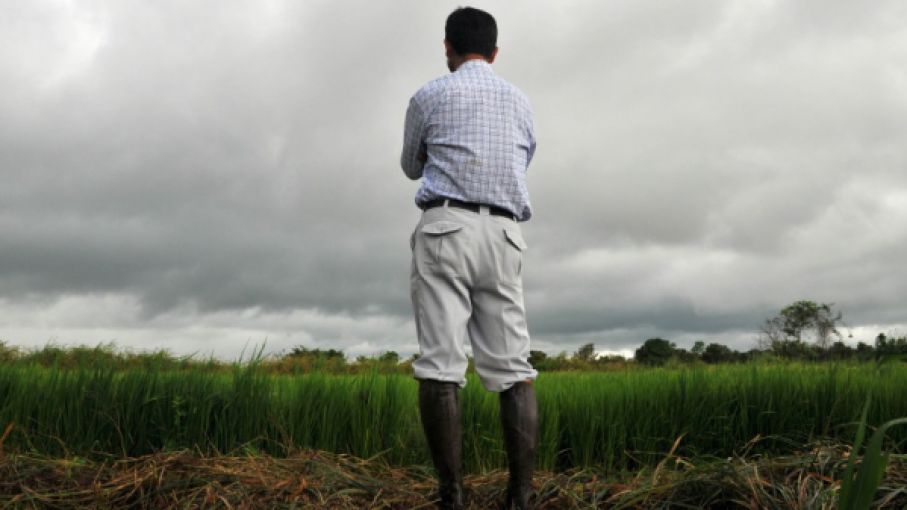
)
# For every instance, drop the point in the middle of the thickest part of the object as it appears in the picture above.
(717, 353)
(655, 351)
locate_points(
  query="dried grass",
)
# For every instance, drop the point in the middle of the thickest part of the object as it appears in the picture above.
(314, 479)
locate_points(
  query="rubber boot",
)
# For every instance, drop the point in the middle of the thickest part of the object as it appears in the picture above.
(519, 418)
(439, 405)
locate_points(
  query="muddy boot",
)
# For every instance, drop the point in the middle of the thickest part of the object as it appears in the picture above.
(519, 417)
(439, 406)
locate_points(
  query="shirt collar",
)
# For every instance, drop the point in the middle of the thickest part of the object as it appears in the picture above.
(475, 63)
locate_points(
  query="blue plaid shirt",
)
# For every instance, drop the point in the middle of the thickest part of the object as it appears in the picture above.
(469, 134)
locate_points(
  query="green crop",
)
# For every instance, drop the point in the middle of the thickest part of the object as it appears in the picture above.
(604, 420)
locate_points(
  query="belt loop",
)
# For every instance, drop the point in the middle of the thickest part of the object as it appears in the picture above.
(446, 202)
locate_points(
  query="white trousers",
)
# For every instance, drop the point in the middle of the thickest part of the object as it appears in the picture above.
(466, 283)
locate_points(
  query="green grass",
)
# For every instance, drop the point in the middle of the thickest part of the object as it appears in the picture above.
(605, 420)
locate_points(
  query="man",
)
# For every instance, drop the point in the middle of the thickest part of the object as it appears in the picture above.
(469, 136)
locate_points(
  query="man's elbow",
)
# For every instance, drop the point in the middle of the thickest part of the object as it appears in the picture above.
(413, 171)
(414, 175)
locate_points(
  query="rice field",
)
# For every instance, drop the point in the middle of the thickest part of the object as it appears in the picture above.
(611, 422)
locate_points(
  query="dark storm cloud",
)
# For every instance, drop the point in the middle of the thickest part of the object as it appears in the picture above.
(699, 165)
(196, 160)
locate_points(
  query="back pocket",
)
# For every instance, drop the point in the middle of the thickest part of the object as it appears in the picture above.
(515, 238)
(442, 246)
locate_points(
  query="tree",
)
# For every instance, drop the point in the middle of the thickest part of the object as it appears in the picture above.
(864, 351)
(890, 346)
(797, 319)
(795, 349)
(585, 353)
(301, 351)
(698, 348)
(536, 358)
(718, 353)
(840, 351)
(389, 357)
(655, 351)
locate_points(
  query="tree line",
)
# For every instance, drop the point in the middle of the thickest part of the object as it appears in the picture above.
(802, 331)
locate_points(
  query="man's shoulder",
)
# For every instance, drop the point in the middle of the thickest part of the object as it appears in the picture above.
(440, 86)
(517, 92)
(434, 88)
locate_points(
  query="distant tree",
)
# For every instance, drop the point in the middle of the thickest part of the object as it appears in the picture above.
(389, 357)
(718, 353)
(753, 354)
(881, 340)
(585, 353)
(301, 351)
(797, 319)
(8, 353)
(698, 348)
(537, 358)
(840, 351)
(559, 362)
(655, 351)
(864, 351)
(887, 347)
(796, 349)
(684, 356)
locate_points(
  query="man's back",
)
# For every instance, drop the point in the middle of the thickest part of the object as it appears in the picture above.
(475, 130)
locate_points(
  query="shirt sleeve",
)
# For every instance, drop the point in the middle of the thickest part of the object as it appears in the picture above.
(532, 143)
(413, 145)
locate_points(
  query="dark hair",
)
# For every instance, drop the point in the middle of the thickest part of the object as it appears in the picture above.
(470, 30)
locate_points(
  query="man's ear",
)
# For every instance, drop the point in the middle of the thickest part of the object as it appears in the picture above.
(448, 49)
(494, 55)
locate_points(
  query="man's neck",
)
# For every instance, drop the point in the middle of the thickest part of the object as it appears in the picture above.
(466, 58)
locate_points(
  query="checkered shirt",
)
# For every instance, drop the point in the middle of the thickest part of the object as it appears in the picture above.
(476, 131)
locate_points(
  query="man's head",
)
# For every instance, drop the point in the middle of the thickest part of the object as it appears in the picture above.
(470, 34)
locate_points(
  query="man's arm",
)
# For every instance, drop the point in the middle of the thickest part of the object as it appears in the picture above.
(414, 151)
(530, 129)
(532, 143)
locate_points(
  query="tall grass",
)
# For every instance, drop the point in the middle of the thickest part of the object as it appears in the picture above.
(859, 486)
(610, 420)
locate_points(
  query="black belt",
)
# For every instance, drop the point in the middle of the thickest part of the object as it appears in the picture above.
(492, 209)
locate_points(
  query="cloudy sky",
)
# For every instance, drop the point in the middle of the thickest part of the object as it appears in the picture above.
(207, 176)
